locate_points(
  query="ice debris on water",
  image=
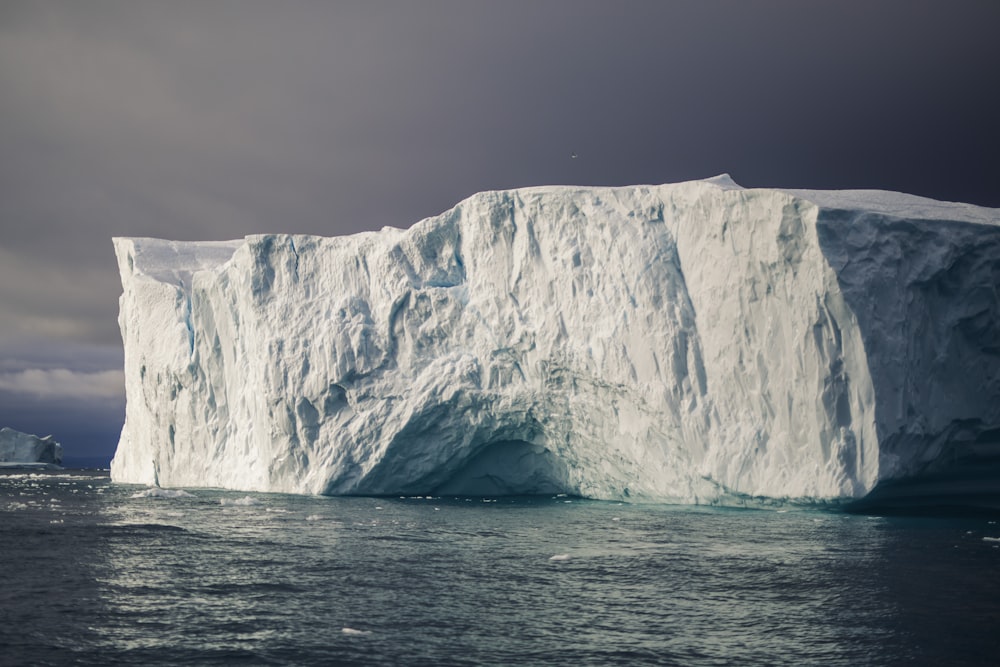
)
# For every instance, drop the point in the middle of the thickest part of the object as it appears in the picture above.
(245, 501)
(157, 492)
(354, 632)
(559, 557)
(681, 342)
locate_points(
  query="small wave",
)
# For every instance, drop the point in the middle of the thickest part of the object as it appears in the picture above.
(226, 589)
(139, 527)
(314, 517)
(55, 474)
(157, 492)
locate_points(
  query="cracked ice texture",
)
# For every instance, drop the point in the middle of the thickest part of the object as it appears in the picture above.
(678, 342)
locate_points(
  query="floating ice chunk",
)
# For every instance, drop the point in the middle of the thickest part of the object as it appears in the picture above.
(356, 633)
(991, 539)
(559, 557)
(157, 492)
(245, 501)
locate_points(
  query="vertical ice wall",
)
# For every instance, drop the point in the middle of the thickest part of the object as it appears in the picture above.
(675, 342)
(924, 285)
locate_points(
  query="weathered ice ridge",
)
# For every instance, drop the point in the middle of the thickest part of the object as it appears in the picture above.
(18, 449)
(685, 343)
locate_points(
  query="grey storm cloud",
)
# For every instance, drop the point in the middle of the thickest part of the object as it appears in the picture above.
(216, 119)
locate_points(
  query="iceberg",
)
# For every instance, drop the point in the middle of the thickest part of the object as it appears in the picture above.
(685, 343)
(25, 450)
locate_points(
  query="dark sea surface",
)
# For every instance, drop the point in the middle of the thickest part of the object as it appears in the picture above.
(101, 574)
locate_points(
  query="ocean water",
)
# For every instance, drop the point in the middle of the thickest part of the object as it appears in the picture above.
(100, 574)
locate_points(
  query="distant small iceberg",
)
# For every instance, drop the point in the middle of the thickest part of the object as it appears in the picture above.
(23, 450)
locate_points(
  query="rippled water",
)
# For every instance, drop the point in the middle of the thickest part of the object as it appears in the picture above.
(103, 574)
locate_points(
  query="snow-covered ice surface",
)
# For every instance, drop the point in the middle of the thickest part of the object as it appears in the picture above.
(680, 343)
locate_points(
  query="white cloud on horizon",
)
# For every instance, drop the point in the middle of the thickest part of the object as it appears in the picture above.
(65, 383)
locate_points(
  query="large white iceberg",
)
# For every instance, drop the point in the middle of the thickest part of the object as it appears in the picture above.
(20, 449)
(681, 342)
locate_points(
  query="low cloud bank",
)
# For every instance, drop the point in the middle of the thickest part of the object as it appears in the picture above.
(64, 383)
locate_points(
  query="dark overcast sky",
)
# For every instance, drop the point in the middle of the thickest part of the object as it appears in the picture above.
(212, 120)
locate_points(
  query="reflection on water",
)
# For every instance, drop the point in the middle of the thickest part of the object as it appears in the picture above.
(231, 578)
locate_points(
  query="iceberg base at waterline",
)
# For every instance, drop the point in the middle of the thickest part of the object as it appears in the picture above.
(687, 343)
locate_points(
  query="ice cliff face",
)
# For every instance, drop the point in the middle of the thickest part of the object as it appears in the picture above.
(677, 342)
(17, 447)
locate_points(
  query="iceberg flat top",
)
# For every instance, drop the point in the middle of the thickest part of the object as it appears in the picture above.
(175, 261)
(900, 205)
